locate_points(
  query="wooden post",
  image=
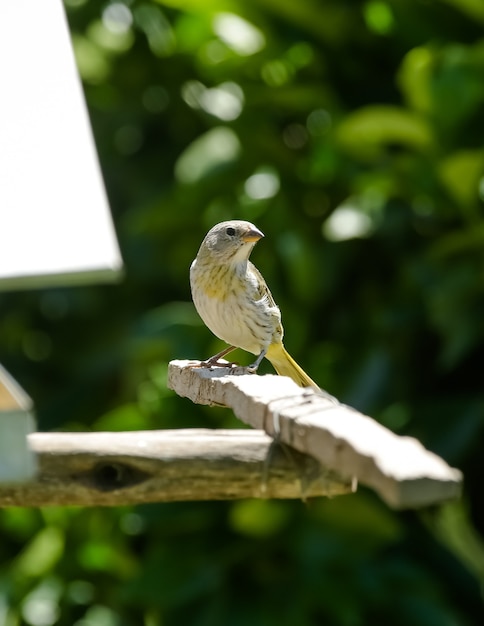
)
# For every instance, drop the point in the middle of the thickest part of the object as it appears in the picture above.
(400, 469)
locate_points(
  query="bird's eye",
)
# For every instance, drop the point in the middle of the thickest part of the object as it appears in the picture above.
(230, 231)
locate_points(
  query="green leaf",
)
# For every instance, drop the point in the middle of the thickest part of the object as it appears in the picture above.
(369, 132)
(414, 78)
(258, 518)
(461, 173)
(41, 554)
(214, 149)
(126, 417)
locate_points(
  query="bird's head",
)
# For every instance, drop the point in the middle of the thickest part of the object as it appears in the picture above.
(231, 241)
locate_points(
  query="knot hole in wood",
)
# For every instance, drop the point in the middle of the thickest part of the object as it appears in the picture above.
(108, 476)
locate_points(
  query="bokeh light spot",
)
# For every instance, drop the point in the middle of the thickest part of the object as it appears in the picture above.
(347, 222)
(318, 122)
(117, 18)
(378, 17)
(238, 34)
(262, 185)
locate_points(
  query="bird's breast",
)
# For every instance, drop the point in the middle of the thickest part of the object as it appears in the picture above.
(225, 300)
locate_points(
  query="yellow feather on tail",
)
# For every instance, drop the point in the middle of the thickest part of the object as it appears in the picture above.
(285, 365)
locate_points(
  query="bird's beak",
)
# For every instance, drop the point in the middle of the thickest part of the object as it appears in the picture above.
(252, 235)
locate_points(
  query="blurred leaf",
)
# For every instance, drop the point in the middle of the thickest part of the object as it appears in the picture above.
(97, 555)
(458, 242)
(258, 518)
(454, 311)
(330, 21)
(99, 615)
(92, 61)
(199, 6)
(19, 523)
(41, 554)
(157, 29)
(461, 173)
(379, 16)
(299, 263)
(127, 417)
(474, 8)
(414, 78)
(375, 524)
(454, 526)
(369, 132)
(115, 41)
(214, 149)
(161, 319)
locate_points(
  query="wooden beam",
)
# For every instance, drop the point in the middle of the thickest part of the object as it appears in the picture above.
(164, 466)
(400, 469)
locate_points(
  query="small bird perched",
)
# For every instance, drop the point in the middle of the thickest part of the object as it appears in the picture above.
(233, 300)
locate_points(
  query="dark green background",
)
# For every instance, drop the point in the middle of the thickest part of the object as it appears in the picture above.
(373, 107)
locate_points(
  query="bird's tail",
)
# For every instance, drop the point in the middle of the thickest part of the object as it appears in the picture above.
(285, 365)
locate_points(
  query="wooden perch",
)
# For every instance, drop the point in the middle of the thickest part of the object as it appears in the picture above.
(170, 465)
(400, 469)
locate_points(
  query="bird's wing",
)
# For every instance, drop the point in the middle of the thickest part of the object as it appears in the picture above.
(262, 289)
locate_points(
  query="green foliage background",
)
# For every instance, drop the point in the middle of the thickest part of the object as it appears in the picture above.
(309, 118)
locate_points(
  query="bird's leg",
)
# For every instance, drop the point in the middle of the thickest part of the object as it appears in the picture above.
(253, 368)
(214, 361)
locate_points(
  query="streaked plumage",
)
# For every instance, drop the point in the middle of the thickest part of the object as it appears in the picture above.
(233, 300)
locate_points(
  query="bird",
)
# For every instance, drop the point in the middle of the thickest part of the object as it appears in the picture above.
(233, 300)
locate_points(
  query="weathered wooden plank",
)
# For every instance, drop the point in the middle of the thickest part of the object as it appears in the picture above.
(165, 466)
(400, 469)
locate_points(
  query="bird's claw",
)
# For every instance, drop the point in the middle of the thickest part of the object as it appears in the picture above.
(217, 363)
